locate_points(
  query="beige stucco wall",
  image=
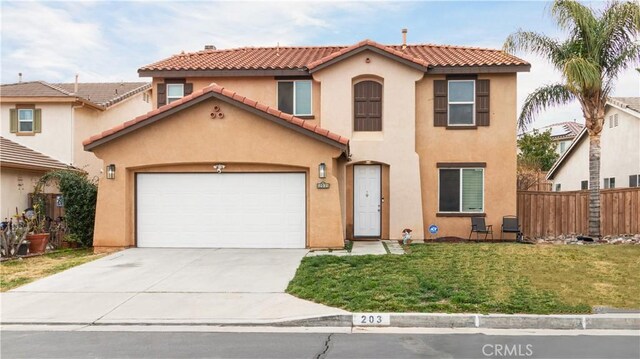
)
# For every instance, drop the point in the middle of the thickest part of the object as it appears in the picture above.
(261, 89)
(191, 141)
(15, 185)
(89, 121)
(395, 144)
(620, 154)
(56, 137)
(494, 144)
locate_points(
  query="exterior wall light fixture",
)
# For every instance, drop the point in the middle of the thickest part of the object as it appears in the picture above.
(322, 170)
(111, 171)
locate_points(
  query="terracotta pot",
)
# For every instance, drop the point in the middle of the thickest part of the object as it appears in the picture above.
(38, 242)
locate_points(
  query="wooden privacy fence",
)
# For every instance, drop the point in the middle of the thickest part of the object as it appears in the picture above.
(554, 213)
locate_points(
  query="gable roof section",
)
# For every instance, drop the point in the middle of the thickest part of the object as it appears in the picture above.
(15, 155)
(560, 161)
(298, 60)
(562, 130)
(365, 45)
(99, 95)
(228, 96)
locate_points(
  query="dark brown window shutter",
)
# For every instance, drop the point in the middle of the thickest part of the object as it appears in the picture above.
(440, 103)
(367, 106)
(482, 102)
(13, 124)
(188, 89)
(37, 120)
(162, 95)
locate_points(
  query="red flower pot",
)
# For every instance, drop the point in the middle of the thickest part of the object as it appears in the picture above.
(38, 242)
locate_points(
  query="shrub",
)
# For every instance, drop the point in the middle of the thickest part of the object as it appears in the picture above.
(79, 194)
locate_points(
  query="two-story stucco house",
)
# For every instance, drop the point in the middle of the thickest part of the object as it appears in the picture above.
(306, 146)
(619, 151)
(46, 120)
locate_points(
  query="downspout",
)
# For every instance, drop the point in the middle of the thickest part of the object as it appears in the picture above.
(73, 131)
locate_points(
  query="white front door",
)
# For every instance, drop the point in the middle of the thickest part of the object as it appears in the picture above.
(366, 200)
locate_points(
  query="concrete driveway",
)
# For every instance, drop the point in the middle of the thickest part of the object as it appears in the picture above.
(172, 286)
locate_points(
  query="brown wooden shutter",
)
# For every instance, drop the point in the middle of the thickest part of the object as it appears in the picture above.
(482, 102)
(188, 89)
(37, 120)
(13, 124)
(440, 103)
(162, 95)
(367, 106)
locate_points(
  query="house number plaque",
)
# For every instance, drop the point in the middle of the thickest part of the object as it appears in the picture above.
(323, 185)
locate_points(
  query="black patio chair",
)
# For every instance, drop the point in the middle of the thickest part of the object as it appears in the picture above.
(478, 226)
(510, 224)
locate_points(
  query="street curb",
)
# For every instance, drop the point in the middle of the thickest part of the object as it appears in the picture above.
(407, 320)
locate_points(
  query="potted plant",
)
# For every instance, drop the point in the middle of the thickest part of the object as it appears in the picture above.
(35, 221)
(71, 241)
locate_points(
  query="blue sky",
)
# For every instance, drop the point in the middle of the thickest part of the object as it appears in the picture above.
(109, 41)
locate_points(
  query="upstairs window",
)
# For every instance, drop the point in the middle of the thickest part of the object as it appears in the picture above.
(25, 119)
(461, 190)
(461, 102)
(558, 187)
(584, 185)
(174, 92)
(634, 181)
(367, 106)
(294, 97)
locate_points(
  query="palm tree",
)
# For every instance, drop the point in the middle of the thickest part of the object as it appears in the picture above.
(601, 45)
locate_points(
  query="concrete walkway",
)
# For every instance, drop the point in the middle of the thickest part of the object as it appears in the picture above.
(167, 286)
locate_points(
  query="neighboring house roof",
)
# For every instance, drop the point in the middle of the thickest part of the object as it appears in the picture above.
(100, 95)
(301, 59)
(632, 103)
(18, 156)
(226, 95)
(563, 130)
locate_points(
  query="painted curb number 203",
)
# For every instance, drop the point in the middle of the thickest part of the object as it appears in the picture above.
(371, 319)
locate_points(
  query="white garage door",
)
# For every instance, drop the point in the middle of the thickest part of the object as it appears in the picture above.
(227, 210)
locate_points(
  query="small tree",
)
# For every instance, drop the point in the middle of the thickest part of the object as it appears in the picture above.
(537, 150)
(79, 195)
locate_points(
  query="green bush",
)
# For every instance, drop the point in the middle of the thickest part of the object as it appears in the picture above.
(79, 194)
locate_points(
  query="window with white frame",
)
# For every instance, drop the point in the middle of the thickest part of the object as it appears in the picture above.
(461, 190)
(294, 97)
(462, 94)
(610, 182)
(558, 187)
(634, 181)
(25, 120)
(174, 92)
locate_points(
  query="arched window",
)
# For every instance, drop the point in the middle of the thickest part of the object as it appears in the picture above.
(367, 106)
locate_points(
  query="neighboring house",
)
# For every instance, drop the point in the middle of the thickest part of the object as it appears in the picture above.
(53, 119)
(20, 169)
(562, 134)
(306, 146)
(619, 146)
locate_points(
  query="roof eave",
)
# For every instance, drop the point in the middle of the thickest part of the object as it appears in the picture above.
(180, 73)
(92, 145)
(479, 69)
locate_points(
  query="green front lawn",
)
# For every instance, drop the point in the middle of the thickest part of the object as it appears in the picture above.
(469, 277)
(17, 272)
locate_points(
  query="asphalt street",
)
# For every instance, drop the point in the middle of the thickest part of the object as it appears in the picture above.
(101, 344)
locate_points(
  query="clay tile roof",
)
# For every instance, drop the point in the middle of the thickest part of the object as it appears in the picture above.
(102, 94)
(342, 142)
(16, 155)
(301, 58)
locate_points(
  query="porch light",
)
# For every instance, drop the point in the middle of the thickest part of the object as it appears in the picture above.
(111, 171)
(322, 170)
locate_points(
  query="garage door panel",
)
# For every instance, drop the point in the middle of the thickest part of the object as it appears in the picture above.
(232, 210)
